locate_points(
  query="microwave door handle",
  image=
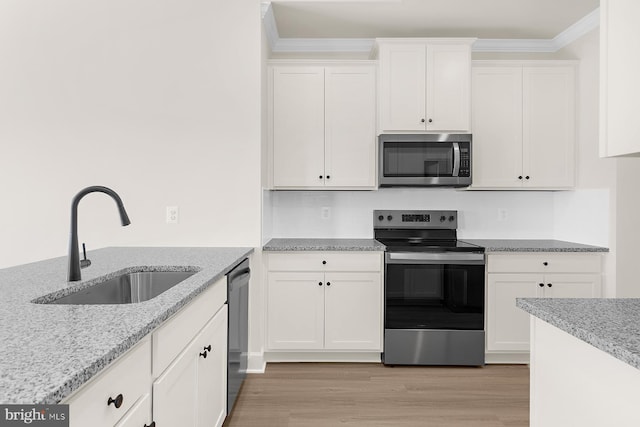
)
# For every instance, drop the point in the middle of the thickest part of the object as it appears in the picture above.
(456, 159)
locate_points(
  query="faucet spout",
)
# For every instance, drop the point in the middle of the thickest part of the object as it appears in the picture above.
(74, 253)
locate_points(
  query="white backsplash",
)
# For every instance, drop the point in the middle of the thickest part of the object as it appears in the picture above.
(481, 214)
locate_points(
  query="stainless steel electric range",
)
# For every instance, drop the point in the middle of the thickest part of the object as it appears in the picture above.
(434, 290)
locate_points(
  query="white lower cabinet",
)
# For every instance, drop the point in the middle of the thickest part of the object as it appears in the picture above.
(111, 395)
(327, 308)
(543, 275)
(186, 385)
(192, 390)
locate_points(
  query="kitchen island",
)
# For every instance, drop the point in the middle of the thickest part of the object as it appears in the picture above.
(585, 361)
(48, 351)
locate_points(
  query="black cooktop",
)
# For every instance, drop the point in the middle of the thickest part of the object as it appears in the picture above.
(421, 245)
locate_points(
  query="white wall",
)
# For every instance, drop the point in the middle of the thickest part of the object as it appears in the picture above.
(159, 100)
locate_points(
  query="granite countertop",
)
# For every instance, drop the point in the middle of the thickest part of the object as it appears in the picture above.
(49, 350)
(609, 324)
(323, 245)
(533, 245)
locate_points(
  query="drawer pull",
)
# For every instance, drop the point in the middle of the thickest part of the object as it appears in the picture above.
(545, 263)
(204, 354)
(324, 262)
(541, 285)
(208, 348)
(117, 402)
(153, 424)
(550, 284)
(319, 283)
(328, 283)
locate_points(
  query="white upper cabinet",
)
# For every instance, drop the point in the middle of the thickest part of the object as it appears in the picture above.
(523, 119)
(619, 83)
(298, 126)
(424, 84)
(323, 124)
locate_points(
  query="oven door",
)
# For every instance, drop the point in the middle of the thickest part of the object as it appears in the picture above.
(434, 291)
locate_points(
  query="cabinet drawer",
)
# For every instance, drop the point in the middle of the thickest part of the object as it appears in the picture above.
(139, 415)
(171, 338)
(545, 263)
(130, 376)
(325, 261)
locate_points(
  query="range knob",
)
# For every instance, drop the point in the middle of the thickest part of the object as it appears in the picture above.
(389, 217)
(452, 218)
(380, 217)
(443, 218)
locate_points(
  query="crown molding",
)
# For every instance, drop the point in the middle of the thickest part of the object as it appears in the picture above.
(363, 45)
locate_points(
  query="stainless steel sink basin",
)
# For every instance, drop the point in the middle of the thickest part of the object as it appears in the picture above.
(127, 288)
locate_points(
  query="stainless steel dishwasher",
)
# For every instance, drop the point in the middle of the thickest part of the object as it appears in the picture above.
(238, 338)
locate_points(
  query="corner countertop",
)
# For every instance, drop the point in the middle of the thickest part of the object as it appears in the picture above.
(323, 245)
(50, 350)
(532, 245)
(609, 324)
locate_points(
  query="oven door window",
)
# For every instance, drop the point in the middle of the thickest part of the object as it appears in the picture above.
(417, 159)
(420, 296)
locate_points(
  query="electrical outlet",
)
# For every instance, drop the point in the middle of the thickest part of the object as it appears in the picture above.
(172, 214)
(502, 215)
(325, 213)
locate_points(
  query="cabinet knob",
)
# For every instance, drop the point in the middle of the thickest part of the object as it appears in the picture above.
(328, 176)
(208, 348)
(204, 354)
(324, 262)
(541, 285)
(526, 177)
(520, 177)
(320, 176)
(319, 283)
(549, 284)
(329, 284)
(117, 402)
(422, 120)
(545, 263)
(153, 424)
(430, 120)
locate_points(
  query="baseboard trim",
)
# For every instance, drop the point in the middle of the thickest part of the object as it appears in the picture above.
(521, 358)
(361, 357)
(256, 364)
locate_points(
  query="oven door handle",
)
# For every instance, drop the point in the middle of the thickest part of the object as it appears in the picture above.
(434, 258)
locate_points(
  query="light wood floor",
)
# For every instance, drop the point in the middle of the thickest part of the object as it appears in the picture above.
(343, 394)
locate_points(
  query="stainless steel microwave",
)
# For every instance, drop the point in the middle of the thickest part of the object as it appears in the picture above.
(425, 160)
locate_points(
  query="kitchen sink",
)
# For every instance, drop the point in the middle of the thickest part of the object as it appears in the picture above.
(127, 288)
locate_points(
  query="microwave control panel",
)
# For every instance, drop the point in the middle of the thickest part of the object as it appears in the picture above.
(465, 162)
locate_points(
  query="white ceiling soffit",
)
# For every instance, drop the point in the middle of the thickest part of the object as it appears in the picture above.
(359, 45)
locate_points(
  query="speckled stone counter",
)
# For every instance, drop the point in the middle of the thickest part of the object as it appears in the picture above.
(523, 245)
(611, 325)
(323, 245)
(47, 350)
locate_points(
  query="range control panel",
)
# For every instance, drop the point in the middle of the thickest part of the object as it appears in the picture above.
(415, 219)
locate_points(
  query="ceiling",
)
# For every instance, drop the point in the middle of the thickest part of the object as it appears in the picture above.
(485, 19)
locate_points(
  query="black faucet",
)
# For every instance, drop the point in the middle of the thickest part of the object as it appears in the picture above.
(74, 255)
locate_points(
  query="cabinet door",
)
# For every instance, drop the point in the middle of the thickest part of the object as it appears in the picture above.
(619, 83)
(497, 126)
(139, 415)
(507, 325)
(549, 126)
(295, 311)
(175, 392)
(572, 285)
(350, 127)
(298, 126)
(353, 311)
(402, 87)
(448, 87)
(212, 371)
